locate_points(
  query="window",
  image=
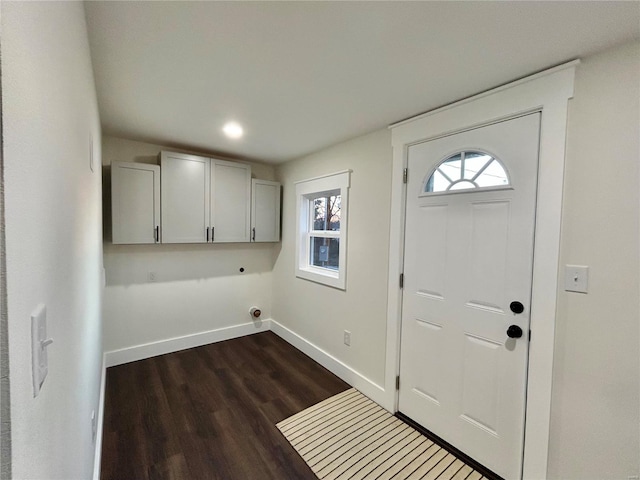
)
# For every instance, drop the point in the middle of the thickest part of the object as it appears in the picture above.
(321, 241)
(465, 171)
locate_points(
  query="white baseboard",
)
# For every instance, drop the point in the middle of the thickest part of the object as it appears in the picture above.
(371, 389)
(97, 455)
(139, 352)
(153, 349)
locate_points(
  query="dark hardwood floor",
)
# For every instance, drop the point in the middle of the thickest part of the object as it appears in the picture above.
(210, 412)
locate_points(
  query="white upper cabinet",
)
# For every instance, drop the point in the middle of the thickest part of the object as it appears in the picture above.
(135, 203)
(204, 199)
(230, 201)
(185, 188)
(192, 199)
(265, 211)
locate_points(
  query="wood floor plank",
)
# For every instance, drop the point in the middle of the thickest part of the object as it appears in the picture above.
(318, 409)
(173, 467)
(210, 412)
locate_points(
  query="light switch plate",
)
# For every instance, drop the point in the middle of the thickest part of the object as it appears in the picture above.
(576, 278)
(39, 360)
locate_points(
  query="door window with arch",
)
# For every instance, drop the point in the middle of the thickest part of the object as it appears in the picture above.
(467, 170)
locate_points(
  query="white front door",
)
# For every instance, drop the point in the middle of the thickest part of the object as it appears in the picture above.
(467, 282)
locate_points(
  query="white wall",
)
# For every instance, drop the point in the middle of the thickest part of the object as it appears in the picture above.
(199, 288)
(595, 429)
(595, 426)
(53, 233)
(319, 313)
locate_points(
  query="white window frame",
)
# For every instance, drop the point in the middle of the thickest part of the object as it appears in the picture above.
(306, 191)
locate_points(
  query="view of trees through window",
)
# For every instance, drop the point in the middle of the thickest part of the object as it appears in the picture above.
(326, 213)
(325, 250)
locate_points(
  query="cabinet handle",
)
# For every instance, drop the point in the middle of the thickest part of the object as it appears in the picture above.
(207, 234)
(253, 234)
(157, 233)
(213, 230)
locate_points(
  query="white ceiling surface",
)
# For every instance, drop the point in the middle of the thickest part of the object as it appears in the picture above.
(300, 76)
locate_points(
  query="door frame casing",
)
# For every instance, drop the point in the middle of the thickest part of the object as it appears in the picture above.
(547, 92)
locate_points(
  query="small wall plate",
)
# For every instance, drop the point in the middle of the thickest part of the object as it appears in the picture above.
(576, 278)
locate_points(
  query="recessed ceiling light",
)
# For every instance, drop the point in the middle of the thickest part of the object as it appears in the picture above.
(232, 130)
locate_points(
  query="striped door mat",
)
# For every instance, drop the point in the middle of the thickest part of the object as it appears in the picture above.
(349, 436)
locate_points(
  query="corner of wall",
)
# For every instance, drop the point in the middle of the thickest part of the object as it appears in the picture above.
(97, 456)
(354, 378)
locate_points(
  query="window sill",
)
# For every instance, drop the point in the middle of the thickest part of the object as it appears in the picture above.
(323, 276)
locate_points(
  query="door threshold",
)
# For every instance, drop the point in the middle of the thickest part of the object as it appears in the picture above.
(447, 446)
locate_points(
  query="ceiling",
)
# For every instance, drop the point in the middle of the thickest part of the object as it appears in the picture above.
(300, 76)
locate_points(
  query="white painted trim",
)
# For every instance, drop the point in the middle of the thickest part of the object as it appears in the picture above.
(140, 352)
(371, 389)
(161, 347)
(97, 455)
(547, 92)
(492, 91)
(306, 190)
(341, 172)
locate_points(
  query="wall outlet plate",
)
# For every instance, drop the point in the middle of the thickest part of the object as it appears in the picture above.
(347, 338)
(576, 278)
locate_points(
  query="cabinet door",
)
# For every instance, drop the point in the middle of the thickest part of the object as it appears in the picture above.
(265, 211)
(185, 198)
(230, 201)
(135, 203)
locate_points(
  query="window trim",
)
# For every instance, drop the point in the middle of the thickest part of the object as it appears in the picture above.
(306, 190)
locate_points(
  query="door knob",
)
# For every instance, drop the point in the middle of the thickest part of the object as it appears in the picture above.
(516, 307)
(514, 331)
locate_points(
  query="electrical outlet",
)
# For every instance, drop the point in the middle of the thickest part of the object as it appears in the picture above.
(347, 338)
(152, 277)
